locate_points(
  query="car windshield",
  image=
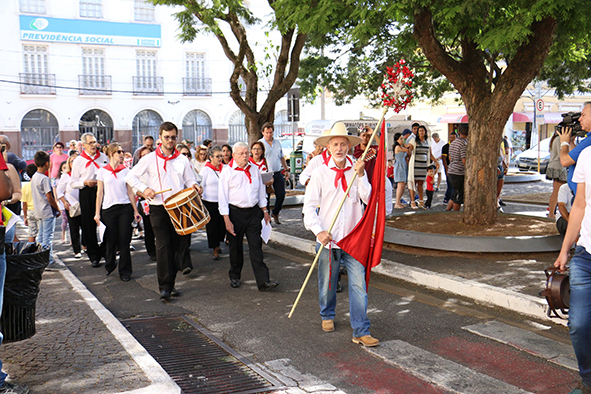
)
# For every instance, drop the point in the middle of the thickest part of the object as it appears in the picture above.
(287, 144)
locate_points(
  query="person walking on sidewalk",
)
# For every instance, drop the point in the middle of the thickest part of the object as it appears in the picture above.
(210, 178)
(83, 178)
(5, 194)
(165, 169)
(242, 200)
(275, 162)
(326, 189)
(116, 208)
(70, 197)
(579, 314)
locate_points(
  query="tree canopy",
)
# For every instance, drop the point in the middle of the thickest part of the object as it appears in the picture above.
(487, 50)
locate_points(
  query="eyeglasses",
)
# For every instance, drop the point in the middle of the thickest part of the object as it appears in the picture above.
(169, 137)
(90, 142)
(218, 156)
(121, 151)
(186, 154)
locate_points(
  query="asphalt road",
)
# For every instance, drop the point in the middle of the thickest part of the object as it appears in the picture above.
(256, 323)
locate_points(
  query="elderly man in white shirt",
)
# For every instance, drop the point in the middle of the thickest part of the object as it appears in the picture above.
(242, 200)
(164, 169)
(83, 177)
(326, 189)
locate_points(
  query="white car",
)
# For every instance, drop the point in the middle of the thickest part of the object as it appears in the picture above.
(528, 160)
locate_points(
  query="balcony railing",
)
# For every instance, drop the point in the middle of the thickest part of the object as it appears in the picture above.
(148, 86)
(94, 84)
(197, 86)
(32, 83)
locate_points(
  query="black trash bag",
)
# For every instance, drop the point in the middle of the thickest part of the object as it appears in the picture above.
(25, 264)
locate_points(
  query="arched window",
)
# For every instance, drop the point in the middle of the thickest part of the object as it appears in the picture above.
(99, 123)
(146, 122)
(39, 130)
(237, 128)
(282, 126)
(197, 127)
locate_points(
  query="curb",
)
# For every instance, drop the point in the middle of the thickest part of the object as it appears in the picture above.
(479, 292)
(161, 381)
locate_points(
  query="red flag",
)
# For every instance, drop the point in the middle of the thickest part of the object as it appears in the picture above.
(366, 241)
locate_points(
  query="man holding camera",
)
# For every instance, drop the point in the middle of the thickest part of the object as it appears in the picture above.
(569, 152)
(579, 321)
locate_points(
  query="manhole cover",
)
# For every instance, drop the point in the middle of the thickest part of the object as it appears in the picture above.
(195, 359)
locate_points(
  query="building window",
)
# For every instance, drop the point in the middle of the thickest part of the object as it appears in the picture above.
(99, 123)
(195, 82)
(237, 128)
(93, 79)
(39, 130)
(36, 78)
(146, 122)
(146, 81)
(143, 11)
(91, 8)
(197, 127)
(32, 6)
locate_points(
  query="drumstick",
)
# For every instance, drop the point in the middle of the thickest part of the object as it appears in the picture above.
(163, 191)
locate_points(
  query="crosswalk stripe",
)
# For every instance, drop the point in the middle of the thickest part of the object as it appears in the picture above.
(554, 351)
(440, 371)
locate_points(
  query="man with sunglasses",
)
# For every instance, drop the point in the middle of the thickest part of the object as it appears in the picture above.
(165, 169)
(83, 177)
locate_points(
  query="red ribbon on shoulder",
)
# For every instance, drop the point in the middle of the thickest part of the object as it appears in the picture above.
(91, 160)
(175, 154)
(116, 170)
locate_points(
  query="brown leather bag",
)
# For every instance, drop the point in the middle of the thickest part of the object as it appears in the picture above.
(557, 292)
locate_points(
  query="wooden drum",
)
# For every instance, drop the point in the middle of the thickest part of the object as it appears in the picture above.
(186, 211)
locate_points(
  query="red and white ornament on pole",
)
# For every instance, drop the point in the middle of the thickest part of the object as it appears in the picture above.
(395, 91)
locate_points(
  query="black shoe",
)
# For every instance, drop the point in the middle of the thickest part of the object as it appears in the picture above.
(108, 271)
(268, 286)
(235, 283)
(125, 278)
(175, 293)
(339, 287)
(96, 263)
(187, 270)
(153, 258)
(132, 248)
(502, 203)
(164, 295)
(10, 388)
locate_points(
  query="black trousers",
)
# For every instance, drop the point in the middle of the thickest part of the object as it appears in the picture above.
(279, 187)
(117, 219)
(172, 250)
(429, 198)
(247, 222)
(216, 228)
(149, 240)
(75, 227)
(87, 207)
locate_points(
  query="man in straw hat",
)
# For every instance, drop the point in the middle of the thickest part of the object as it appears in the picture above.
(327, 186)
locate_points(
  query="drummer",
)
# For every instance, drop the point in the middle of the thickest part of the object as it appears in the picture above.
(165, 169)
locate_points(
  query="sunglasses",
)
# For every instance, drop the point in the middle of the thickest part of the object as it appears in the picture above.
(121, 151)
(169, 137)
(186, 154)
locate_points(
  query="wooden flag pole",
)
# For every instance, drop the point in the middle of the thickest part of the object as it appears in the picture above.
(295, 304)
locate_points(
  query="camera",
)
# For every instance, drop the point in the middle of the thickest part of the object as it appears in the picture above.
(571, 119)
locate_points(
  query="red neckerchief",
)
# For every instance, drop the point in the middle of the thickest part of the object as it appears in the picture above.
(246, 170)
(263, 163)
(217, 169)
(325, 157)
(116, 170)
(175, 154)
(69, 173)
(91, 160)
(340, 176)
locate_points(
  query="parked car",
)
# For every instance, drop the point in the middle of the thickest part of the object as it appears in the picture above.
(287, 146)
(528, 160)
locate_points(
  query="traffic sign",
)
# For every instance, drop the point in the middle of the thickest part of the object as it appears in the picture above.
(540, 119)
(540, 105)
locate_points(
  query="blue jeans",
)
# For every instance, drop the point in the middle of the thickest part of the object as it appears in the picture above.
(45, 236)
(328, 273)
(579, 321)
(8, 239)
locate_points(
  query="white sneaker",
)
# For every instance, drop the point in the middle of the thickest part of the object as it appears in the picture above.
(78, 255)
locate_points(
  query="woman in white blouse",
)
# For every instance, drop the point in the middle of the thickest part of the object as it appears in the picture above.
(257, 158)
(200, 158)
(210, 174)
(116, 208)
(69, 198)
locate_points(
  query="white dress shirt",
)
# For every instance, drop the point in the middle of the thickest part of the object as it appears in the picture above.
(235, 189)
(178, 175)
(114, 187)
(273, 154)
(321, 192)
(314, 163)
(210, 180)
(64, 189)
(82, 173)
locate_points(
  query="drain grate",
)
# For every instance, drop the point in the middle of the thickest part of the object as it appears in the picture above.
(195, 359)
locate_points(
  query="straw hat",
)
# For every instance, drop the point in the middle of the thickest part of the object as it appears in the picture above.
(338, 130)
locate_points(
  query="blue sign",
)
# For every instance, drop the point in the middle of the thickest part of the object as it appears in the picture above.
(80, 31)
